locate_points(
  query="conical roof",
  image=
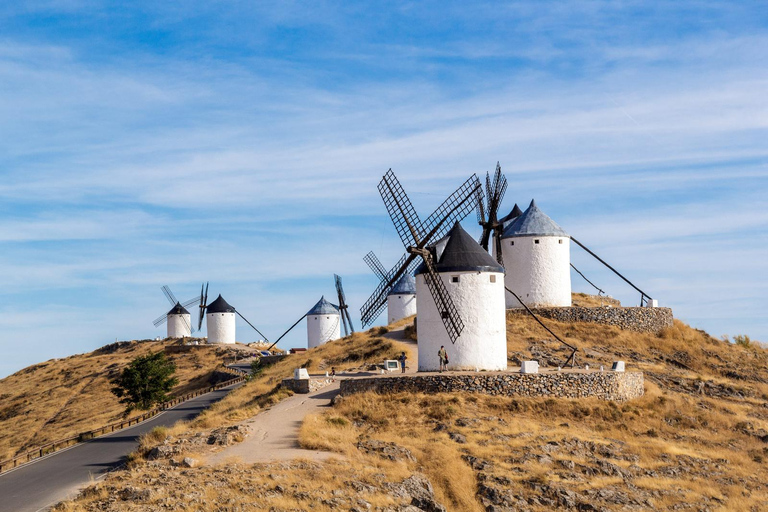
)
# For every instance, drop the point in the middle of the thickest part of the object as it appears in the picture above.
(178, 309)
(406, 285)
(511, 216)
(463, 253)
(219, 306)
(323, 307)
(533, 222)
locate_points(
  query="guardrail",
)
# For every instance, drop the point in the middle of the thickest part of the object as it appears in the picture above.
(55, 446)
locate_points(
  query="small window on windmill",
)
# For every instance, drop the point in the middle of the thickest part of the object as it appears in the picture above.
(493, 278)
(512, 242)
(536, 241)
(327, 318)
(560, 241)
(455, 279)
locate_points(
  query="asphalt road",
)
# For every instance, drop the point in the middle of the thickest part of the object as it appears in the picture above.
(59, 476)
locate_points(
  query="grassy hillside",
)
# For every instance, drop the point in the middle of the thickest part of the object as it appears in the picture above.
(63, 397)
(697, 440)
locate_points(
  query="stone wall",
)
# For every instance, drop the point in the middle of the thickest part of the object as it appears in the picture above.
(304, 386)
(617, 386)
(650, 320)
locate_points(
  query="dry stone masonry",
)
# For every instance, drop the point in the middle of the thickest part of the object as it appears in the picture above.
(607, 385)
(650, 320)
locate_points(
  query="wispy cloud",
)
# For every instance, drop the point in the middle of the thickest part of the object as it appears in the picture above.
(242, 144)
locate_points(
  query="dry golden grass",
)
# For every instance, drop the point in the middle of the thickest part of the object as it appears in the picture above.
(64, 397)
(354, 351)
(695, 440)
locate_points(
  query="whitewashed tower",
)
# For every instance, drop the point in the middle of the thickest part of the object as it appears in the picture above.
(537, 257)
(179, 322)
(401, 299)
(475, 283)
(323, 323)
(220, 322)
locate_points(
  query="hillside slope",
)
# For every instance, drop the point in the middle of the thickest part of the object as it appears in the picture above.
(63, 397)
(697, 440)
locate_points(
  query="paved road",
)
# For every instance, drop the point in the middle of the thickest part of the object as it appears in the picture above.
(59, 476)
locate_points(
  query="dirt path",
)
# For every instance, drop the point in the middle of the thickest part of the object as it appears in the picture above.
(274, 433)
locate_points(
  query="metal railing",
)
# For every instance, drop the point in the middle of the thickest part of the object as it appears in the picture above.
(59, 444)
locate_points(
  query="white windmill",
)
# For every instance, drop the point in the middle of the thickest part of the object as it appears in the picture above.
(178, 319)
(537, 256)
(401, 298)
(220, 319)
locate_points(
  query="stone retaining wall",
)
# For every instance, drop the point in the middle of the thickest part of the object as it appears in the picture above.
(304, 386)
(617, 386)
(637, 319)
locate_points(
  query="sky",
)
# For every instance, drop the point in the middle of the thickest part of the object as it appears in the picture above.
(163, 143)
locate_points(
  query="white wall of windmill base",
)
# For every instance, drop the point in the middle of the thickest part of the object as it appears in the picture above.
(221, 328)
(400, 306)
(539, 273)
(322, 329)
(480, 303)
(179, 326)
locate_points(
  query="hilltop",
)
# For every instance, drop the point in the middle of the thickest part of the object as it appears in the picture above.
(697, 439)
(63, 397)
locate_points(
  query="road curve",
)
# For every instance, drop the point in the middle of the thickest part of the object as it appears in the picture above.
(59, 476)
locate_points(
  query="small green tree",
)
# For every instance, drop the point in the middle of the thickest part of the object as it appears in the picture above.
(145, 381)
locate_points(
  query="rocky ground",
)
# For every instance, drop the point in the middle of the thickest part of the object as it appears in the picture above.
(697, 440)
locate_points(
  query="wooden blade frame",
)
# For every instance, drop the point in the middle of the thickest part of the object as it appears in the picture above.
(375, 265)
(203, 305)
(416, 235)
(343, 307)
(169, 295)
(495, 193)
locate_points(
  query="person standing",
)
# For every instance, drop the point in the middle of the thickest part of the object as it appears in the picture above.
(443, 355)
(402, 359)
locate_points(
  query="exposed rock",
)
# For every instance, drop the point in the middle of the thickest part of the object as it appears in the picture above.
(389, 451)
(163, 451)
(189, 462)
(228, 435)
(419, 489)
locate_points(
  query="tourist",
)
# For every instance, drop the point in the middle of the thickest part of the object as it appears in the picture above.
(402, 359)
(333, 374)
(443, 359)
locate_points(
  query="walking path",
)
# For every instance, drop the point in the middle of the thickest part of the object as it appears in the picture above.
(274, 433)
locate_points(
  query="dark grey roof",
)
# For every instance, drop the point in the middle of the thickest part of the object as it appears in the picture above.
(406, 285)
(219, 306)
(511, 216)
(323, 307)
(462, 253)
(178, 309)
(533, 222)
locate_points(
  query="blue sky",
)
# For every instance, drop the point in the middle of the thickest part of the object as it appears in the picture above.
(147, 144)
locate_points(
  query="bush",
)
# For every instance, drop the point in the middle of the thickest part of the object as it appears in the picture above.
(145, 381)
(743, 340)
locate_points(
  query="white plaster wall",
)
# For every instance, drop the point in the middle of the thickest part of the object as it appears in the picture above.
(483, 342)
(221, 327)
(400, 306)
(540, 274)
(179, 326)
(322, 329)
